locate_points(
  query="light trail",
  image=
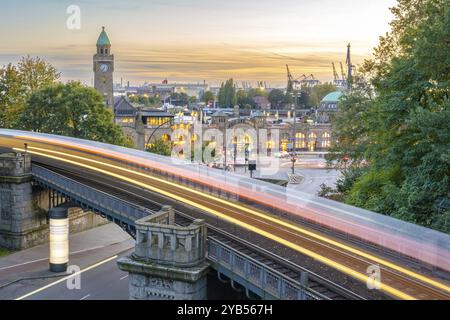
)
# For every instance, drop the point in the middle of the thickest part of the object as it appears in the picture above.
(268, 218)
(420, 250)
(320, 258)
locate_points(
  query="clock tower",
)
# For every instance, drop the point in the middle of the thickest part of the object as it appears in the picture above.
(104, 68)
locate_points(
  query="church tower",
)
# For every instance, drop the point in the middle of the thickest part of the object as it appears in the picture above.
(104, 68)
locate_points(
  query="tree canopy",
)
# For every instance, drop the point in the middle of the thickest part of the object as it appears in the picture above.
(71, 110)
(208, 96)
(394, 122)
(227, 94)
(18, 82)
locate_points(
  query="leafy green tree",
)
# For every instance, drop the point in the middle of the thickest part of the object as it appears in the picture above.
(17, 83)
(398, 135)
(148, 101)
(161, 147)
(71, 110)
(208, 96)
(180, 98)
(318, 92)
(227, 94)
(277, 99)
(244, 99)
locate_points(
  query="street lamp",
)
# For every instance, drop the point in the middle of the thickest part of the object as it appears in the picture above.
(156, 129)
(293, 160)
(235, 143)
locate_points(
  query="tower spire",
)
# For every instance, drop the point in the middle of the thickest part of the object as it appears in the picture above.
(349, 62)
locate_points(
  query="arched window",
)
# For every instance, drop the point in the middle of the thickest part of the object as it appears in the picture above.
(300, 140)
(326, 140)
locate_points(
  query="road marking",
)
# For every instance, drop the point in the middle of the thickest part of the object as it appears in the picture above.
(124, 277)
(85, 297)
(44, 259)
(66, 278)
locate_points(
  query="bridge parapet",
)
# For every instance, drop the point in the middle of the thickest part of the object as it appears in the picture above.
(160, 241)
(169, 261)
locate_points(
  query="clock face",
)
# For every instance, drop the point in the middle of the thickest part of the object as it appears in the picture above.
(104, 68)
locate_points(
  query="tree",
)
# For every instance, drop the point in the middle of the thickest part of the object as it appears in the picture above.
(208, 96)
(319, 92)
(227, 94)
(277, 99)
(17, 83)
(148, 101)
(179, 99)
(71, 110)
(161, 147)
(243, 99)
(399, 137)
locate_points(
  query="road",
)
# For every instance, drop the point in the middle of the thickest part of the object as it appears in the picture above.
(397, 281)
(87, 249)
(313, 171)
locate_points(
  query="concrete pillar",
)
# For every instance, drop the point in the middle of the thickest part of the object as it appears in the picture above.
(169, 262)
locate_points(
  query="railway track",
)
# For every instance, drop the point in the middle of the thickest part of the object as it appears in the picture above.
(316, 284)
(393, 278)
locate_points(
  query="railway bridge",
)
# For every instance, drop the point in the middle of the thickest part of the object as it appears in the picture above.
(262, 238)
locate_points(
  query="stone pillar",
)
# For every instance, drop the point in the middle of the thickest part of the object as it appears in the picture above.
(20, 227)
(169, 262)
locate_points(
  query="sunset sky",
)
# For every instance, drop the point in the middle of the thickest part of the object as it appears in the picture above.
(195, 40)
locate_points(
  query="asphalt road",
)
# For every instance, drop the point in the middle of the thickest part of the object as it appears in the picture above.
(26, 271)
(105, 282)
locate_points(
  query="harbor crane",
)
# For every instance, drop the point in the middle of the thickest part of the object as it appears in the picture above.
(303, 80)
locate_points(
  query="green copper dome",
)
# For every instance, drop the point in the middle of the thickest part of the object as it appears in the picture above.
(103, 39)
(333, 97)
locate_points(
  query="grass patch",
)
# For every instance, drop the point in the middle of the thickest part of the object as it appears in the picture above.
(3, 252)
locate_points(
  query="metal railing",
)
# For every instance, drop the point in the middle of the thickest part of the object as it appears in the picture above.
(114, 209)
(269, 282)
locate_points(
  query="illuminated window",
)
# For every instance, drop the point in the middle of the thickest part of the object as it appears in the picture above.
(300, 140)
(326, 140)
(284, 144)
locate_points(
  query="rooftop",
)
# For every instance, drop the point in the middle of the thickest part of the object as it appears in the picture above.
(333, 96)
(103, 39)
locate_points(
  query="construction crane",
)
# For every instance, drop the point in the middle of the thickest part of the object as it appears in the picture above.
(342, 72)
(311, 81)
(295, 84)
(335, 74)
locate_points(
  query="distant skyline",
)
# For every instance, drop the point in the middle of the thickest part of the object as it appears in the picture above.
(192, 41)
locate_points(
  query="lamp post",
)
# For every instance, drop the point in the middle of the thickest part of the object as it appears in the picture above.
(156, 129)
(294, 130)
(293, 160)
(235, 143)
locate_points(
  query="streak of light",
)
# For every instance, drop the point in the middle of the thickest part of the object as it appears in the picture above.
(322, 259)
(266, 217)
